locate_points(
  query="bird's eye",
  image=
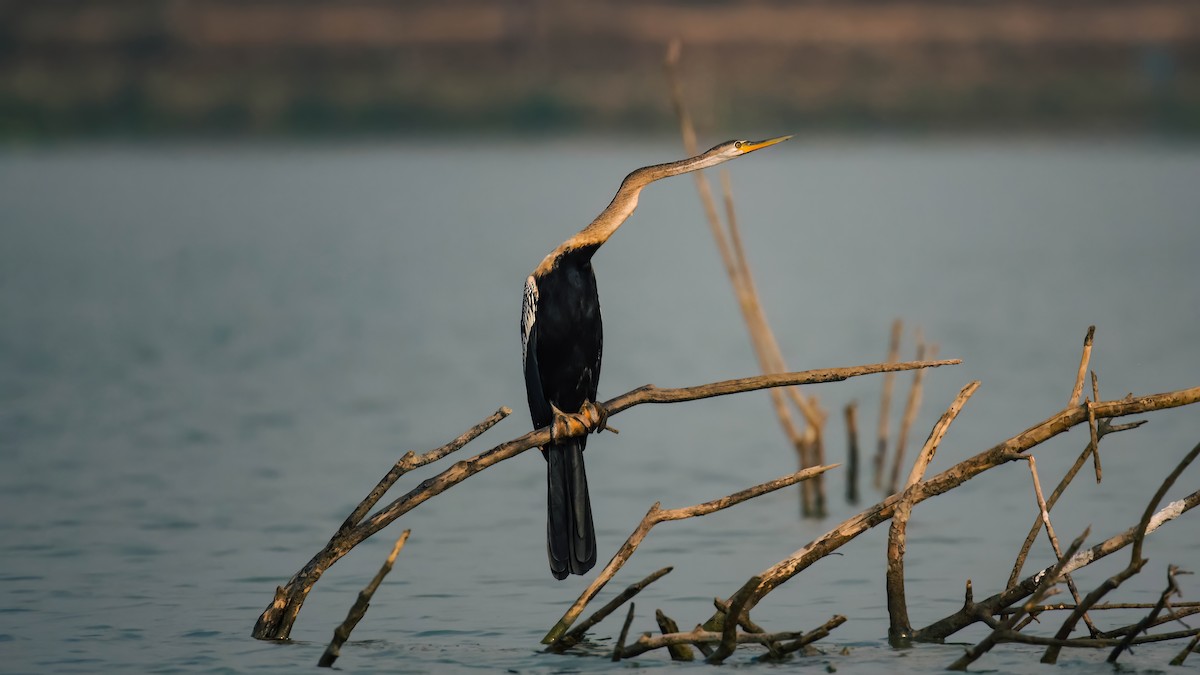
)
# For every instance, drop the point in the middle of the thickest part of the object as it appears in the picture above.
(737, 144)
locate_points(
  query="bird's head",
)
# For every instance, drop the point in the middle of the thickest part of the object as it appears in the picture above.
(730, 149)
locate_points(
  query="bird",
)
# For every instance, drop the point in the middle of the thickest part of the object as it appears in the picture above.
(561, 345)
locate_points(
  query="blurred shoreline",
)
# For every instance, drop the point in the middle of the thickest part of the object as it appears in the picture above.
(302, 68)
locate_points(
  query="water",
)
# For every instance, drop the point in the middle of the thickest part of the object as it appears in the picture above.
(209, 354)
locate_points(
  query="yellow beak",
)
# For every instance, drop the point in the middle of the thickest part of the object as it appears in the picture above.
(758, 145)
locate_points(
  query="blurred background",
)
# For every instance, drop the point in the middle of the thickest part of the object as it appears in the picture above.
(166, 67)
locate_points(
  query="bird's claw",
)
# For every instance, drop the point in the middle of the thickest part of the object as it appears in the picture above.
(591, 418)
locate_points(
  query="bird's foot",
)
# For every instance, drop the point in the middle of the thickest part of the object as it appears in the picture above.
(591, 418)
(567, 425)
(596, 416)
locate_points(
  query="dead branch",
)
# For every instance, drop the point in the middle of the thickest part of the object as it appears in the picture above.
(910, 415)
(658, 515)
(1191, 647)
(1092, 643)
(576, 636)
(899, 628)
(973, 612)
(885, 403)
(813, 636)
(1104, 427)
(1007, 451)
(748, 625)
(411, 461)
(616, 655)
(1177, 612)
(678, 652)
(1045, 513)
(1083, 366)
(1163, 600)
(698, 637)
(1002, 629)
(851, 411)
(729, 636)
(359, 610)
(807, 443)
(1186, 606)
(1136, 561)
(275, 622)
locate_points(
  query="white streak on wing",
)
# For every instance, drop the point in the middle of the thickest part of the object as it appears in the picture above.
(1167, 513)
(528, 316)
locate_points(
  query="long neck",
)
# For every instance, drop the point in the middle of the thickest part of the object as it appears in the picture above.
(626, 199)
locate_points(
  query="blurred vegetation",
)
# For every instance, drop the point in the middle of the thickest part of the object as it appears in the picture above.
(304, 67)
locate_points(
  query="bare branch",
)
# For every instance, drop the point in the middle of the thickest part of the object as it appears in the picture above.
(616, 655)
(1083, 366)
(972, 612)
(885, 401)
(1004, 452)
(1104, 427)
(359, 610)
(275, 622)
(1135, 563)
(657, 515)
(576, 636)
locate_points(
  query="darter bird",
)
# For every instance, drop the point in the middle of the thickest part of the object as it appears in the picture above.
(561, 345)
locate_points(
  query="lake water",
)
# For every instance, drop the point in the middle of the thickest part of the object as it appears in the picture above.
(209, 353)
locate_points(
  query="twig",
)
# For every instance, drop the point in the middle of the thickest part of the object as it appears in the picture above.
(1182, 656)
(1002, 629)
(1083, 366)
(813, 636)
(885, 403)
(1095, 436)
(899, 628)
(359, 609)
(678, 652)
(576, 635)
(1088, 643)
(747, 625)
(1105, 427)
(1163, 600)
(411, 461)
(1136, 561)
(658, 515)
(852, 452)
(956, 475)
(700, 636)
(762, 338)
(1045, 512)
(616, 655)
(1177, 613)
(1112, 605)
(972, 612)
(275, 622)
(910, 415)
(729, 636)
(938, 433)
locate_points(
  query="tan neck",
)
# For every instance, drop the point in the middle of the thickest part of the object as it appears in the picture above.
(626, 200)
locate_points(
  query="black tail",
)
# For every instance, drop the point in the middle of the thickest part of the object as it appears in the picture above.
(570, 537)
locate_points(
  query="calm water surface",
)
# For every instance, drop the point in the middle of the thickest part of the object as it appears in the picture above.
(209, 354)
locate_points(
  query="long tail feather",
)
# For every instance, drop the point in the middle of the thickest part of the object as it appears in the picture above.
(570, 536)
